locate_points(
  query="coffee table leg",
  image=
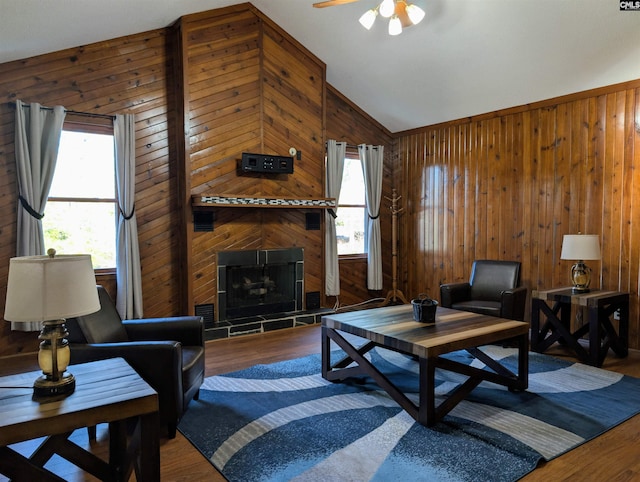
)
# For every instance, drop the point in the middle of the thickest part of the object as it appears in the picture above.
(523, 362)
(535, 323)
(326, 352)
(427, 406)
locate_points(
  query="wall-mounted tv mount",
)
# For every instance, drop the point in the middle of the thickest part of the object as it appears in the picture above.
(266, 163)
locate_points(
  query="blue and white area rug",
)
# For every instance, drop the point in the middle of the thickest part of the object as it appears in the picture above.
(285, 422)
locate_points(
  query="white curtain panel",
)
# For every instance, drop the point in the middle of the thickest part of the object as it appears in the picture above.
(128, 273)
(371, 158)
(37, 139)
(336, 152)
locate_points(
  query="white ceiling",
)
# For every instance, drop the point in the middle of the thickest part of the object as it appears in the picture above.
(467, 57)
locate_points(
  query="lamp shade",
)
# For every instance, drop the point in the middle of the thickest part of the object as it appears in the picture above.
(43, 288)
(368, 18)
(386, 8)
(395, 26)
(580, 247)
(416, 14)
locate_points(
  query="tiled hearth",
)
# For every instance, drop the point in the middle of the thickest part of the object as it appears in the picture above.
(264, 323)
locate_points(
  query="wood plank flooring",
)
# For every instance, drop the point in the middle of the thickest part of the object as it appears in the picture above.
(613, 456)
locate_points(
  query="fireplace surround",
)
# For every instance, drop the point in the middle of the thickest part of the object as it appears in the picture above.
(259, 282)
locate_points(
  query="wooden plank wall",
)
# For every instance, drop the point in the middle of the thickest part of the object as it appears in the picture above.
(235, 83)
(510, 184)
(251, 88)
(124, 75)
(505, 185)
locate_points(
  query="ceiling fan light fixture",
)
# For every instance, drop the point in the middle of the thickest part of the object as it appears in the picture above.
(416, 14)
(387, 7)
(368, 18)
(395, 26)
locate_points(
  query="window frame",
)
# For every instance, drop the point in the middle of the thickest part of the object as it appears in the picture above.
(352, 154)
(90, 125)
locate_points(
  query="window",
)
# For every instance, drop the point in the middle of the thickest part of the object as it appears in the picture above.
(352, 212)
(80, 215)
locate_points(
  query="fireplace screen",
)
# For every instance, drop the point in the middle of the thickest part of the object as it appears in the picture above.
(259, 282)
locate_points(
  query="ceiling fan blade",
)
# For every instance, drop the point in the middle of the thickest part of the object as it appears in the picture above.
(331, 3)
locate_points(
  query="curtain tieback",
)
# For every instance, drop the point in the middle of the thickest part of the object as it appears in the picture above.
(29, 209)
(126, 218)
(373, 217)
(332, 213)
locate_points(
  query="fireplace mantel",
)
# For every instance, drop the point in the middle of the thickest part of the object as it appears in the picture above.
(232, 201)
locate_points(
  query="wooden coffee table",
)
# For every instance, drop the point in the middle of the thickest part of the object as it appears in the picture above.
(394, 328)
(106, 391)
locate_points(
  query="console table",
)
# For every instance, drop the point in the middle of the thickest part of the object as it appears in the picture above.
(601, 307)
(106, 391)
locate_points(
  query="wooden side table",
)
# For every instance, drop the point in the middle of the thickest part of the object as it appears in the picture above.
(106, 391)
(600, 305)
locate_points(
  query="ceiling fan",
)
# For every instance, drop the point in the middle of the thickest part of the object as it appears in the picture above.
(331, 3)
(400, 13)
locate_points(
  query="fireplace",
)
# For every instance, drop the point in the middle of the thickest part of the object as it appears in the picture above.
(259, 282)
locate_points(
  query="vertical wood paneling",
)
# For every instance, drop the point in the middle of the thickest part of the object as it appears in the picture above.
(460, 179)
(468, 241)
(627, 189)
(530, 175)
(480, 244)
(633, 175)
(563, 174)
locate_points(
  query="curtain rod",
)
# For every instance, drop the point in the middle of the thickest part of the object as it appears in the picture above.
(351, 146)
(89, 114)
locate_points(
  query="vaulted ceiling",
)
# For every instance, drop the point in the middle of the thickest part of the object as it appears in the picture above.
(467, 57)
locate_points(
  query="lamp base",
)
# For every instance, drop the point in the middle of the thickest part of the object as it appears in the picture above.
(580, 278)
(576, 290)
(44, 387)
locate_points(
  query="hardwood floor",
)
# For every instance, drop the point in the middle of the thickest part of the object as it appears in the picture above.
(614, 456)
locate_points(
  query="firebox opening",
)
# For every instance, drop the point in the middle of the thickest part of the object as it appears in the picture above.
(253, 289)
(259, 282)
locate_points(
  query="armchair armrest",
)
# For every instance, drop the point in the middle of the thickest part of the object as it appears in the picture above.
(513, 303)
(453, 293)
(159, 363)
(153, 360)
(188, 330)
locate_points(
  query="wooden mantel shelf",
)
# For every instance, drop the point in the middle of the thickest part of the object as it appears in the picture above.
(230, 201)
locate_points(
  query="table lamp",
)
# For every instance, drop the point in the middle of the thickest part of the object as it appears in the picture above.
(50, 289)
(580, 247)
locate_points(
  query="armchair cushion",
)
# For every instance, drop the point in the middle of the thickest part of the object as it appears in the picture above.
(490, 278)
(104, 326)
(491, 308)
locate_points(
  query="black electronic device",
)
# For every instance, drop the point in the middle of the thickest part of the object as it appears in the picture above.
(266, 163)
